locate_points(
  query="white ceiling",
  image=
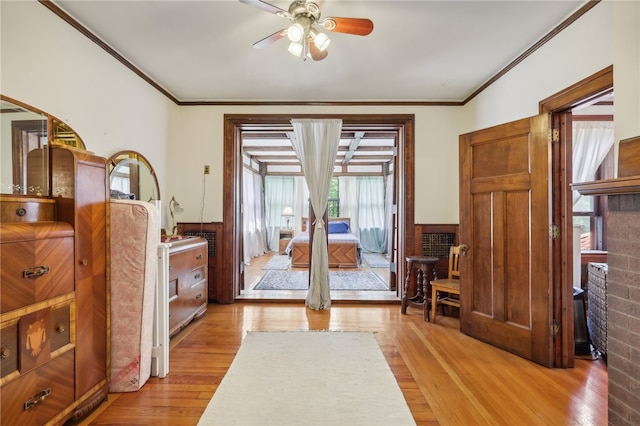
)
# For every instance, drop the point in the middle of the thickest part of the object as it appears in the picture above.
(419, 51)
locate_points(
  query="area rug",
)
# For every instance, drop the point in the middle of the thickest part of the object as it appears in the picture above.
(308, 378)
(375, 260)
(338, 280)
(277, 262)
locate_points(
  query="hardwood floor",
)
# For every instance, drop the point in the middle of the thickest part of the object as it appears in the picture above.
(447, 378)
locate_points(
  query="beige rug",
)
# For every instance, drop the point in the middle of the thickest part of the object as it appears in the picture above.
(308, 378)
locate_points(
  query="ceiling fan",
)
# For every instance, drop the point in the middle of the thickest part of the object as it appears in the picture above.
(305, 39)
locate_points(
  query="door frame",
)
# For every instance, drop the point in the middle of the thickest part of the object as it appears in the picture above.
(232, 270)
(559, 105)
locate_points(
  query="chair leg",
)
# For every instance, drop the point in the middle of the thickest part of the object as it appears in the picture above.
(434, 303)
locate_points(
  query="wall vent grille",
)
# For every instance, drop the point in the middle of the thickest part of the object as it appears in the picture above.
(437, 244)
(211, 238)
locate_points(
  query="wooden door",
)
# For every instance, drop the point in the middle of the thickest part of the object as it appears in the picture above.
(505, 211)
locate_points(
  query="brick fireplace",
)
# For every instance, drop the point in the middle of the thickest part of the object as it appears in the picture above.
(623, 313)
(623, 282)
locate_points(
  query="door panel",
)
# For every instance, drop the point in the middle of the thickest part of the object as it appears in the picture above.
(504, 219)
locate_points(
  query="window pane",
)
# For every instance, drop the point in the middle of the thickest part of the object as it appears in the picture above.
(585, 231)
(584, 204)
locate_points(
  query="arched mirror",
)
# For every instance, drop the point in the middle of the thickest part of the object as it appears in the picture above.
(26, 132)
(132, 177)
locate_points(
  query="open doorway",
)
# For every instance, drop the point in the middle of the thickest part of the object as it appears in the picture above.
(561, 106)
(276, 214)
(398, 127)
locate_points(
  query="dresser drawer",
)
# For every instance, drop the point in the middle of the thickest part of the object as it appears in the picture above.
(182, 309)
(41, 394)
(187, 260)
(9, 343)
(196, 275)
(33, 270)
(60, 327)
(29, 341)
(26, 209)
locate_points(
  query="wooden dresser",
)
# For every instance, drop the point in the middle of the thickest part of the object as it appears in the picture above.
(53, 284)
(187, 284)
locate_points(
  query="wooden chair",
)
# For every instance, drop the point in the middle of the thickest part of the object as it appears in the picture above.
(443, 289)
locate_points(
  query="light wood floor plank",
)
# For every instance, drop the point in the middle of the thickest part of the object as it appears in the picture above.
(446, 377)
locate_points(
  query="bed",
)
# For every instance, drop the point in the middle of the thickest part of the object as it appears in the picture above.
(344, 248)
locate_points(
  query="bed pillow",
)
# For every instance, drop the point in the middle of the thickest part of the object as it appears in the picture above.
(338, 227)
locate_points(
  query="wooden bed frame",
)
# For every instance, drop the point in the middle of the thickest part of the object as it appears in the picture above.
(341, 254)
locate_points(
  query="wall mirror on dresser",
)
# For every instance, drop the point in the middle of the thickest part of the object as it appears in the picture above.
(132, 177)
(53, 275)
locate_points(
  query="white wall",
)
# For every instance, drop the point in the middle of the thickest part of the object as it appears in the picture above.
(626, 71)
(579, 51)
(201, 143)
(48, 64)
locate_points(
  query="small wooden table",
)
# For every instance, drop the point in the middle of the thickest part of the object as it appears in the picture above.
(424, 269)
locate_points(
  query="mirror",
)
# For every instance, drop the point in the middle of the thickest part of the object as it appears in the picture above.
(24, 138)
(132, 177)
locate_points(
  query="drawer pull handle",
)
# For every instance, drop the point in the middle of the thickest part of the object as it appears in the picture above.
(197, 276)
(5, 353)
(199, 256)
(199, 296)
(60, 328)
(21, 211)
(37, 399)
(35, 272)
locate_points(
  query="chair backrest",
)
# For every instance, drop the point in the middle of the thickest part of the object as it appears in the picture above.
(454, 262)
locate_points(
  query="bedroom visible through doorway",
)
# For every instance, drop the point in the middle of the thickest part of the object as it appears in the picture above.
(275, 211)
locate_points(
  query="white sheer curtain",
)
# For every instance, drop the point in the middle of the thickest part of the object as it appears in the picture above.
(278, 193)
(371, 223)
(348, 190)
(253, 230)
(388, 212)
(362, 200)
(301, 204)
(316, 145)
(592, 140)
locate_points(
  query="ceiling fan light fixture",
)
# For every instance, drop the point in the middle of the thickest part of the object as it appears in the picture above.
(295, 33)
(321, 40)
(295, 49)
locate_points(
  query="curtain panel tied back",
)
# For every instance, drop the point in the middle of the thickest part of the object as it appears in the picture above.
(316, 145)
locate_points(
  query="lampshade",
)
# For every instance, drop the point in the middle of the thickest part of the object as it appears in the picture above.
(295, 33)
(288, 211)
(175, 207)
(321, 40)
(295, 49)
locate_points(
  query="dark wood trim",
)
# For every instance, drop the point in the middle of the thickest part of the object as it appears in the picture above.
(589, 88)
(78, 26)
(559, 105)
(320, 103)
(232, 184)
(592, 118)
(617, 186)
(562, 26)
(557, 30)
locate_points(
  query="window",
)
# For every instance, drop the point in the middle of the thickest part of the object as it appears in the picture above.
(590, 212)
(333, 203)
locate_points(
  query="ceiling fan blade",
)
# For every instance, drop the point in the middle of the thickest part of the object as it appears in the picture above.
(356, 26)
(269, 40)
(316, 54)
(265, 6)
